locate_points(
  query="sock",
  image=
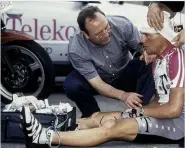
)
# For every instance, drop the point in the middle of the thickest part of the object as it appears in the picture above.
(45, 137)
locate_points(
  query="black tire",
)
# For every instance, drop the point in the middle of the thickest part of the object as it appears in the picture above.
(46, 62)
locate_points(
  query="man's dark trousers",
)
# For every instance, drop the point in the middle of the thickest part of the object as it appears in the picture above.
(136, 77)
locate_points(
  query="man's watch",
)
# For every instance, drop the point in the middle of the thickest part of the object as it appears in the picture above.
(154, 2)
(141, 112)
(150, 5)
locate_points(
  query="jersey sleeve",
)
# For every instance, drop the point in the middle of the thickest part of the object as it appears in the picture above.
(177, 69)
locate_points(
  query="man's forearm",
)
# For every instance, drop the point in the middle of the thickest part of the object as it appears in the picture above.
(161, 111)
(109, 91)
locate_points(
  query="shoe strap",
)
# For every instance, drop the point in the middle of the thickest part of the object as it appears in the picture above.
(56, 124)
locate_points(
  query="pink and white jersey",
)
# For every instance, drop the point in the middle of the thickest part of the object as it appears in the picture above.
(169, 72)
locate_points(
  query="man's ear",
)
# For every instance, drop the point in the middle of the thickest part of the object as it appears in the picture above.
(85, 34)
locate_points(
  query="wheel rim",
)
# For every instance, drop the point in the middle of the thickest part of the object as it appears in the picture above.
(30, 75)
(5, 93)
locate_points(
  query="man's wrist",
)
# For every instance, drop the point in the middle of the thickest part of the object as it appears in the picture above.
(153, 4)
(121, 95)
(145, 111)
(149, 6)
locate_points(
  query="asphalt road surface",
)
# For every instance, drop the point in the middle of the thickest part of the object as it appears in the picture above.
(106, 104)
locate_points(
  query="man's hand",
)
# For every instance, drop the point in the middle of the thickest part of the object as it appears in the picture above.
(155, 16)
(179, 39)
(132, 100)
(147, 58)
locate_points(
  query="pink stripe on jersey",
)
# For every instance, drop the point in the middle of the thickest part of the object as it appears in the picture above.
(174, 64)
(183, 68)
(180, 68)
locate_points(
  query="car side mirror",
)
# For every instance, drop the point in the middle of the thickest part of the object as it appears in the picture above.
(14, 14)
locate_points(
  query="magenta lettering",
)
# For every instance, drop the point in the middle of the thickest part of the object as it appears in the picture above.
(67, 31)
(43, 32)
(26, 28)
(14, 22)
(36, 28)
(57, 32)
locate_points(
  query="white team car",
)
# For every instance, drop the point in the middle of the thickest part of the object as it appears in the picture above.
(51, 23)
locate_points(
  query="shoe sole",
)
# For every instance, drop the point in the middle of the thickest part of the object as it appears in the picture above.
(28, 141)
